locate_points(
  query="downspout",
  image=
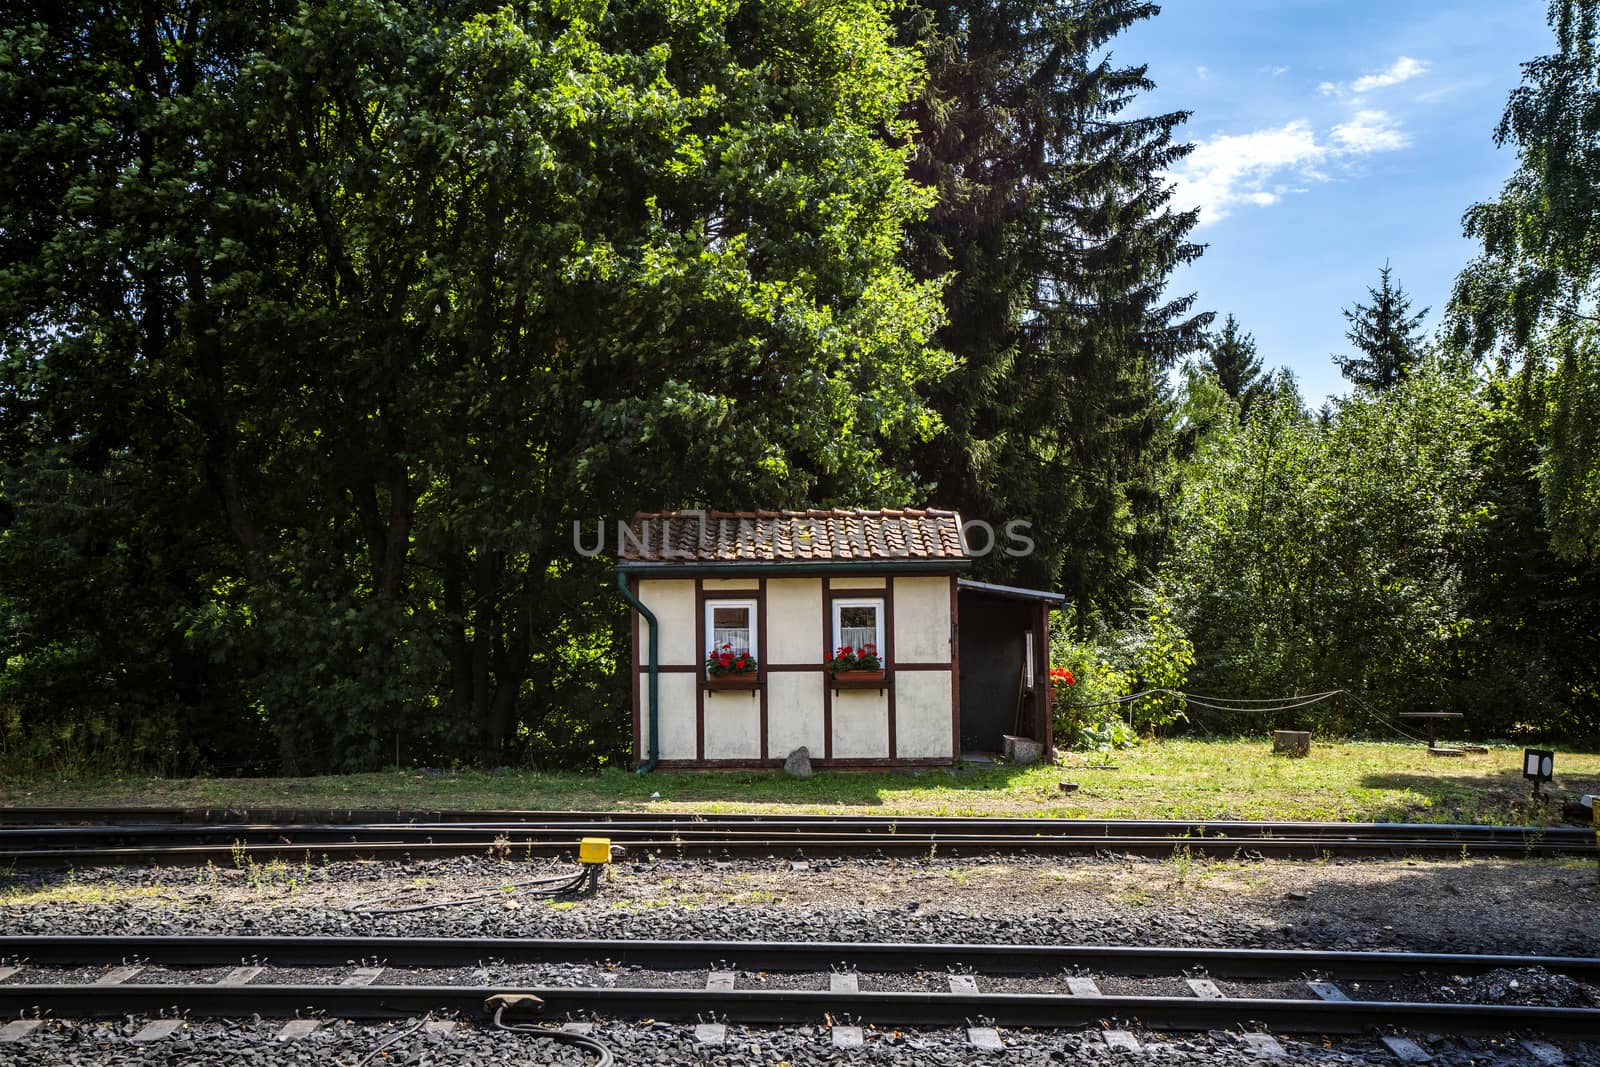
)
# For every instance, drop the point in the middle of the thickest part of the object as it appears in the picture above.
(655, 699)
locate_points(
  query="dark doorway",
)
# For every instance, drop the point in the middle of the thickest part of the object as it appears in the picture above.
(999, 695)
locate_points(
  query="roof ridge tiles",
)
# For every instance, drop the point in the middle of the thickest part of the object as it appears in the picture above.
(712, 513)
(814, 534)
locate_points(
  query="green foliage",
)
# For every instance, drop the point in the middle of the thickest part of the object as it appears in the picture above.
(1527, 657)
(1094, 697)
(1570, 466)
(1106, 737)
(90, 610)
(1393, 546)
(1160, 655)
(1146, 649)
(1200, 408)
(322, 323)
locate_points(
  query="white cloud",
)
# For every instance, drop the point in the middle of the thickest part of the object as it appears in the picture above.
(1370, 131)
(1275, 71)
(1401, 70)
(1433, 96)
(1262, 167)
(1239, 168)
(1203, 72)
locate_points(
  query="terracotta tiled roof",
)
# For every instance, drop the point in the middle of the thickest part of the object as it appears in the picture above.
(823, 536)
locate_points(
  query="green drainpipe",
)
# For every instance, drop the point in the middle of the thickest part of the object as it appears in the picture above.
(655, 697)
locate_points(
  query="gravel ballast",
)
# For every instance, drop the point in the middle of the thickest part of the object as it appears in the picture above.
(1546, 907)
(68, 1044)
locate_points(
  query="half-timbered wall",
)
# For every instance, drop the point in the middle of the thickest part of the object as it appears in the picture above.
(911, 720)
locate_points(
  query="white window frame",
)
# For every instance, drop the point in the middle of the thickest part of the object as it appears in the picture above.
(726, 602)
(859, 602)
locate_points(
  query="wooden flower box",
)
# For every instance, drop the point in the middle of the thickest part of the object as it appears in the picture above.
(748, 680)
(859, 680)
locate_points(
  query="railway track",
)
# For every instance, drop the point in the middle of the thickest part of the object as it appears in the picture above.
(726, 981)
(97, 836)
(772, 956)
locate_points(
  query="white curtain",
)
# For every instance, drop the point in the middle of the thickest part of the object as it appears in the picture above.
(858, 627)
(858, 636)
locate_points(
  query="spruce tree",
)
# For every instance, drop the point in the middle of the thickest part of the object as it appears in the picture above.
(1054, 231)
(1388, 335)
(1232, 353)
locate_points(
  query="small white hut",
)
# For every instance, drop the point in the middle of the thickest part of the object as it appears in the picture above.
(850, 633)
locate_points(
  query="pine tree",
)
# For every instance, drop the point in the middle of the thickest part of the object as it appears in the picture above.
(1388, 335)
(1232, 353)
(1054, 229)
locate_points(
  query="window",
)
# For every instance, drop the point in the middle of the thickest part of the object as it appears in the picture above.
(857, 623)
(731, 623)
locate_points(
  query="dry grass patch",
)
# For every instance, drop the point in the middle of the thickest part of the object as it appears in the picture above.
(74, 892)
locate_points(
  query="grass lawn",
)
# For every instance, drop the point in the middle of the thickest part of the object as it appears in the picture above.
(1236, 779)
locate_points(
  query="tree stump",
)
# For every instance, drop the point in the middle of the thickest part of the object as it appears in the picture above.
(1293, 743)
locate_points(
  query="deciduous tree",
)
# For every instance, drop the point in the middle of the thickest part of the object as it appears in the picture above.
(1310, 557)
(1532, 291)
(373, 299)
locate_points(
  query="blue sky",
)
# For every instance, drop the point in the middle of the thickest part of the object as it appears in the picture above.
(1333, 135)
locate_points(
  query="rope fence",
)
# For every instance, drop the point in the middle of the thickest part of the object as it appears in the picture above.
(1259, 705)
(1231, 704)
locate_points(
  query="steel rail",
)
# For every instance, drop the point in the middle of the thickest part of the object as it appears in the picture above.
(796, 1006)
(689, 844)
(855, 825)
(267, 819)
(692, 834)
(772, 956)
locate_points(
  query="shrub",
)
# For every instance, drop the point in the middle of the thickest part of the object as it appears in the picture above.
(1148, 651)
